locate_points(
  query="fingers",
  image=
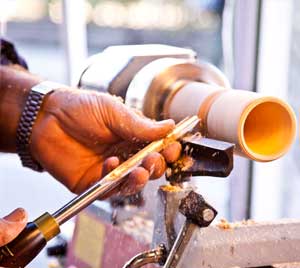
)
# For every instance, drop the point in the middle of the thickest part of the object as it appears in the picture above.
(155, 164)
(110, 164)
(12, 225)
(131, 126)
(132, 184)
(135, 182)
(172, 152)
(153, 167)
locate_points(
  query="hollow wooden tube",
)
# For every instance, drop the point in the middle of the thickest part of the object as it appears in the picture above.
(262, 127)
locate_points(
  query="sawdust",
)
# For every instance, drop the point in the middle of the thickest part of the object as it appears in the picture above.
(181, 165)
(170, 188)
(138, 227)
(225, 225)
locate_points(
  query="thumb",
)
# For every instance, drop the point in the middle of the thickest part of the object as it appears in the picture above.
(12, 225)
(130, 126)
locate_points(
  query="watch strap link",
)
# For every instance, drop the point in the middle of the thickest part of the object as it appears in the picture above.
(24, 130)
(27, 120)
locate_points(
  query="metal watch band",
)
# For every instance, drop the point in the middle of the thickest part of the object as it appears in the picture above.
(27, 120)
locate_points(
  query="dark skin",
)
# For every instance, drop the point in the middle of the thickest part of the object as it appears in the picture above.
(78, 137)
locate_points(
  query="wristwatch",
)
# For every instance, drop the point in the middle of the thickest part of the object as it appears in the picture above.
(27, 120)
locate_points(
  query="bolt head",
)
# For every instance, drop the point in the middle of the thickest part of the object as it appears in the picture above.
(208, 215)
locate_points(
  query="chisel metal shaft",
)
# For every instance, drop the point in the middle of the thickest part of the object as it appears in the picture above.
(116, 177)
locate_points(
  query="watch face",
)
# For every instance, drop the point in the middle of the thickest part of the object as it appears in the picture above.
(46, 87)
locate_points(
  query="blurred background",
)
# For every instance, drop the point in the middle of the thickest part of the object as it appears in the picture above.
(256, 43)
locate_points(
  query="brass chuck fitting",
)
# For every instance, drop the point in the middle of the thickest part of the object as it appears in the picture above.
(48, 226)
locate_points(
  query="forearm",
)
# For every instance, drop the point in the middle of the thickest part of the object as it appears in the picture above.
(14, 88)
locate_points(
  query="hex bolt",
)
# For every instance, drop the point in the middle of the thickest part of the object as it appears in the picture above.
(208, 215)
(198, 213)
(197, 210)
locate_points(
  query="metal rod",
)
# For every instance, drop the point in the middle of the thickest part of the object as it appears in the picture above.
(156, 255)
(114, 178)
(181, 241)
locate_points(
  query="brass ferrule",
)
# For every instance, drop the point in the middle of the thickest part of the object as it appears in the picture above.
(48, 226)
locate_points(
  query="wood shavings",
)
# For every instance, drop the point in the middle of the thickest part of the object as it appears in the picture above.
(138, 227)
(224, 224)
(170, 188)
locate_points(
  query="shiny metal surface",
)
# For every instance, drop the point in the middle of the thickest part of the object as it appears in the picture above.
(167, 219)
(114, 178)
(156, 255)
(113, 69)
(180, 244)
(152, 88)
(242, 244)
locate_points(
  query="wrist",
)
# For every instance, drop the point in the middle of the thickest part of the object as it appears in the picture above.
(15, 86)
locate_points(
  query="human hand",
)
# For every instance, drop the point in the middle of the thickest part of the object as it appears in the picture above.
(12, 225)
(81, 135)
